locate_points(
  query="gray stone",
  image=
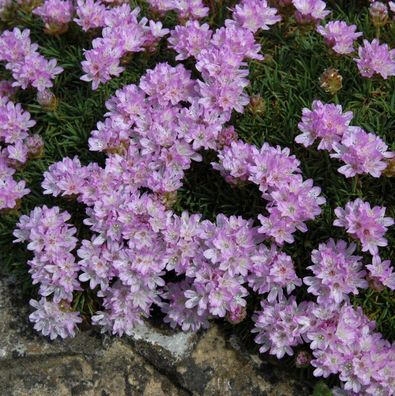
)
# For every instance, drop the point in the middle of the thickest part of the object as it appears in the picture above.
(152, 362)
(215, 366)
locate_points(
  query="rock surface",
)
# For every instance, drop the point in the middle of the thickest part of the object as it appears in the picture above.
(150, 363)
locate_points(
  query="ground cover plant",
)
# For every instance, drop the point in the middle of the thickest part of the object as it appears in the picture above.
(196, 161)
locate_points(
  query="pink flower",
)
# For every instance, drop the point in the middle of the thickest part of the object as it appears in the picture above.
(90, 14)
(310, 11)
(339, 36)
(362, 153)
(337, 272)
(364, 223)
(325, 122)
(54, 320)
(255, 14)
(376, 58)
(382, 271)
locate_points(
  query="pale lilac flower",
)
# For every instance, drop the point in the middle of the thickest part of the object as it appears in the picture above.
(382, 271)
(325, 122)
(190, 40)
(337, 272)
(280, 326)
(28, 67)
(190, 9)
(55, 13)
(361, 152)
(90, 14)
(100, 65)
(54, 320)
(310, 11)
(177, 314)
(339, 36)
(255, 14)
(11, 192)
(271, 271)
(375, 58)
(364, 223)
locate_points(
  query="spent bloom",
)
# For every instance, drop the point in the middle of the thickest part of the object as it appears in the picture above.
(375, 58)
(364, 223)
(379, 13)
(339, 36)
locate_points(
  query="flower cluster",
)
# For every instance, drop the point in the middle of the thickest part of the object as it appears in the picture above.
(291, 200)
(51, 240)
(375, 58)
(382, 273)
(254, 15)
(271, 272)
(140, 255)
(27, 66)
(325, 122)
(344, 342)
(122, 36)
(220, 56)
(337, 273)
(90, 14)
(281, 326)
(54, 320)
(53, 267)
(339, 36)
(364, 223)
(16, 147)
(310, 11)
(190, 40)
(56, 15)
(186, 9)
(362, 152)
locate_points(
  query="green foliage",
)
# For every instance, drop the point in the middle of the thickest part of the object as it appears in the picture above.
(321, 389)
(287, 80)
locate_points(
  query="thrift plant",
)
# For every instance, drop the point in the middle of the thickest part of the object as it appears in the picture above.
(206, 160)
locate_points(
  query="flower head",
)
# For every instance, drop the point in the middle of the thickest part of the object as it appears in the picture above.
(364, 223)
(375, 58)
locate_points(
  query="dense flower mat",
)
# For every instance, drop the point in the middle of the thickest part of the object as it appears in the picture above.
(199, 160)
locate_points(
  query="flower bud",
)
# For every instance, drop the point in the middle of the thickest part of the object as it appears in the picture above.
(227, 136)
(237, 315)
(54, 29)
(389, 171)
(256, 105)
(47, 100)
(379, 13)
(35, 146)
(169, 199)
(303, 359)
(331, 81)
